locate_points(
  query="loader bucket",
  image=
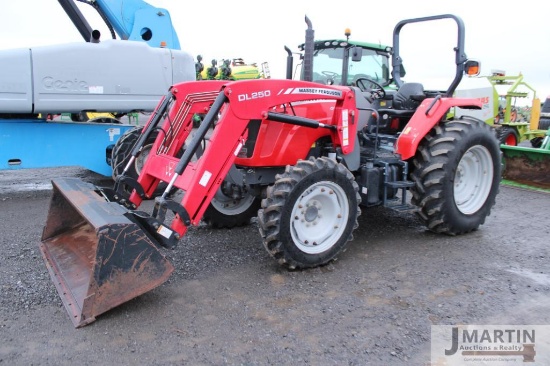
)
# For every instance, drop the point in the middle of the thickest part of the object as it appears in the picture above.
(97, 257)
(526, 165)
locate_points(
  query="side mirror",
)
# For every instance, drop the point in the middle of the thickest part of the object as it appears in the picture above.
(356, 53)
(472, 68)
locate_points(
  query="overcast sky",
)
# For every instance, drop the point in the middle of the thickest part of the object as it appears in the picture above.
(510, 36)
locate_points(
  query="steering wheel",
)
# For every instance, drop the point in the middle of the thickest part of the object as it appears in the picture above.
(331, 77)
(377, 92)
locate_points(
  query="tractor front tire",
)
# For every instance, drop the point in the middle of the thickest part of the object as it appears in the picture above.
(309, 213)
(227, 212)
(457, 172)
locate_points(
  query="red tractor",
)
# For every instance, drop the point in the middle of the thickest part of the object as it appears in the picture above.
(304, 158)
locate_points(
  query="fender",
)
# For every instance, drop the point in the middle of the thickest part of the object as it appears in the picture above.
(427, 115)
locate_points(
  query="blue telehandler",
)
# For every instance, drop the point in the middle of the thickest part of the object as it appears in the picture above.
(119, 76)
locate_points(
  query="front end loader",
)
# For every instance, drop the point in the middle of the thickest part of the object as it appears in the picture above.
(303, 157)
(100, 251)
(97, 255)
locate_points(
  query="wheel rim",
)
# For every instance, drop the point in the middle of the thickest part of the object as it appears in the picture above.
(319, 217)
(229, 206)
(473, 179)
(511, 140)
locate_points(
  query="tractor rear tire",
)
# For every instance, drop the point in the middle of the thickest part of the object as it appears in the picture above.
(226, 212)
(122, 151)
(457, 172)
(507, 136)
(309, 213)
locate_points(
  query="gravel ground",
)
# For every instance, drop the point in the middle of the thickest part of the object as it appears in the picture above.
(229, 303)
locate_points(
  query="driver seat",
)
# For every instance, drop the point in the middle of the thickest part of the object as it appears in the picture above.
(403, 105)
(409, 96)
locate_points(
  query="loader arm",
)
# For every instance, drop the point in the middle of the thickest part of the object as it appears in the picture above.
(230, 109)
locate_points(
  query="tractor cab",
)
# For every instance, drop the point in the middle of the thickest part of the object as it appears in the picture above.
(346, 62)
(341, 62)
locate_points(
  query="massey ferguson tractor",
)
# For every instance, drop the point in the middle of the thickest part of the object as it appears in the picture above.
(303, 157)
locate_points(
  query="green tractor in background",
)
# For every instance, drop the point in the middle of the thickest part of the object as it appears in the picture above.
(515, 125)
(235, 69)
(523, 165)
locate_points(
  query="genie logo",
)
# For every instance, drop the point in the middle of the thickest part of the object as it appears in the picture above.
(75, 85)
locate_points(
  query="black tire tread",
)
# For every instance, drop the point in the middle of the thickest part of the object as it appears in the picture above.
(122, 151)
(269, 216)
(432, 172)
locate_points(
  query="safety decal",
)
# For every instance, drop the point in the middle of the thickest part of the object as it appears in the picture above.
(205, 178)
(164, 231)
(345, 128)
(112, 133)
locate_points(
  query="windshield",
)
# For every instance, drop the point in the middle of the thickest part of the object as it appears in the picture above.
(327, 66)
